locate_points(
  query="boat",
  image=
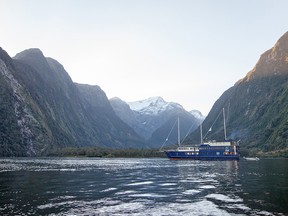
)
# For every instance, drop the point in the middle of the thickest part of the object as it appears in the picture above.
(251, 158)
(211, 150)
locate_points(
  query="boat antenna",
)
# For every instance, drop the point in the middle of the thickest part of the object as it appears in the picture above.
(224, 121)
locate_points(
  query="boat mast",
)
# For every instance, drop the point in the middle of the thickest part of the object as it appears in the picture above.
(224, 124)
(201, 133)
(178, 132)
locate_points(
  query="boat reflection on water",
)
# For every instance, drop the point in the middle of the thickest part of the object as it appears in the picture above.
(195, 174)
(251, 158)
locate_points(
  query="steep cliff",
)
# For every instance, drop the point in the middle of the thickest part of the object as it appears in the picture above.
(43, 110)
(256, 106)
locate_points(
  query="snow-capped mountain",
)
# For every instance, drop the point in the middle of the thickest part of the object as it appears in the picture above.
(152, 118)
(153, 106)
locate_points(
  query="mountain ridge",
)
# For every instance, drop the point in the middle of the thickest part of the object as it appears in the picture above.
(272, 62)
(47, 111)
(153, 105)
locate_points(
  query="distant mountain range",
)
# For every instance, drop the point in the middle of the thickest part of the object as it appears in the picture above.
(153, 118)
(256, 106)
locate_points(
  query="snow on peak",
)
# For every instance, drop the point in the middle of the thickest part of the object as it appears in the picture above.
(153, 105)
(198, 115)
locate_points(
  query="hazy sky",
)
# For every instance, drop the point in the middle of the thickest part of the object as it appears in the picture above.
(187, 51)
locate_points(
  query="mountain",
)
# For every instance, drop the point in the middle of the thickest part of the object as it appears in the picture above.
(153, 118)
(198, 115)
(256, 106)
(153, 106)
(43, 110)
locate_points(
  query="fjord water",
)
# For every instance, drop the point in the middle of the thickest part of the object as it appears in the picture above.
(77, 186)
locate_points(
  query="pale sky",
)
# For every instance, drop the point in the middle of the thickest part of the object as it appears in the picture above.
(187, 51)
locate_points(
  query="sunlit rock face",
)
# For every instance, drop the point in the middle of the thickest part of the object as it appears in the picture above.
(273, 62)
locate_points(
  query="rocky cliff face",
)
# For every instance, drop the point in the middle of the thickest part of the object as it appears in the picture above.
(256, 106)
(20, 123)
(122, 109)
(273, 62)
(42, 109)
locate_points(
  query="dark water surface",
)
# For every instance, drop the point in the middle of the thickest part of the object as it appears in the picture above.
(68, 186)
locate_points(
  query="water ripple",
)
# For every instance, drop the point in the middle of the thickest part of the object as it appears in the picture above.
(84, 186)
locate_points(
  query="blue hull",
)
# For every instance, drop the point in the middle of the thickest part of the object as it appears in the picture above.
(183, 155)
